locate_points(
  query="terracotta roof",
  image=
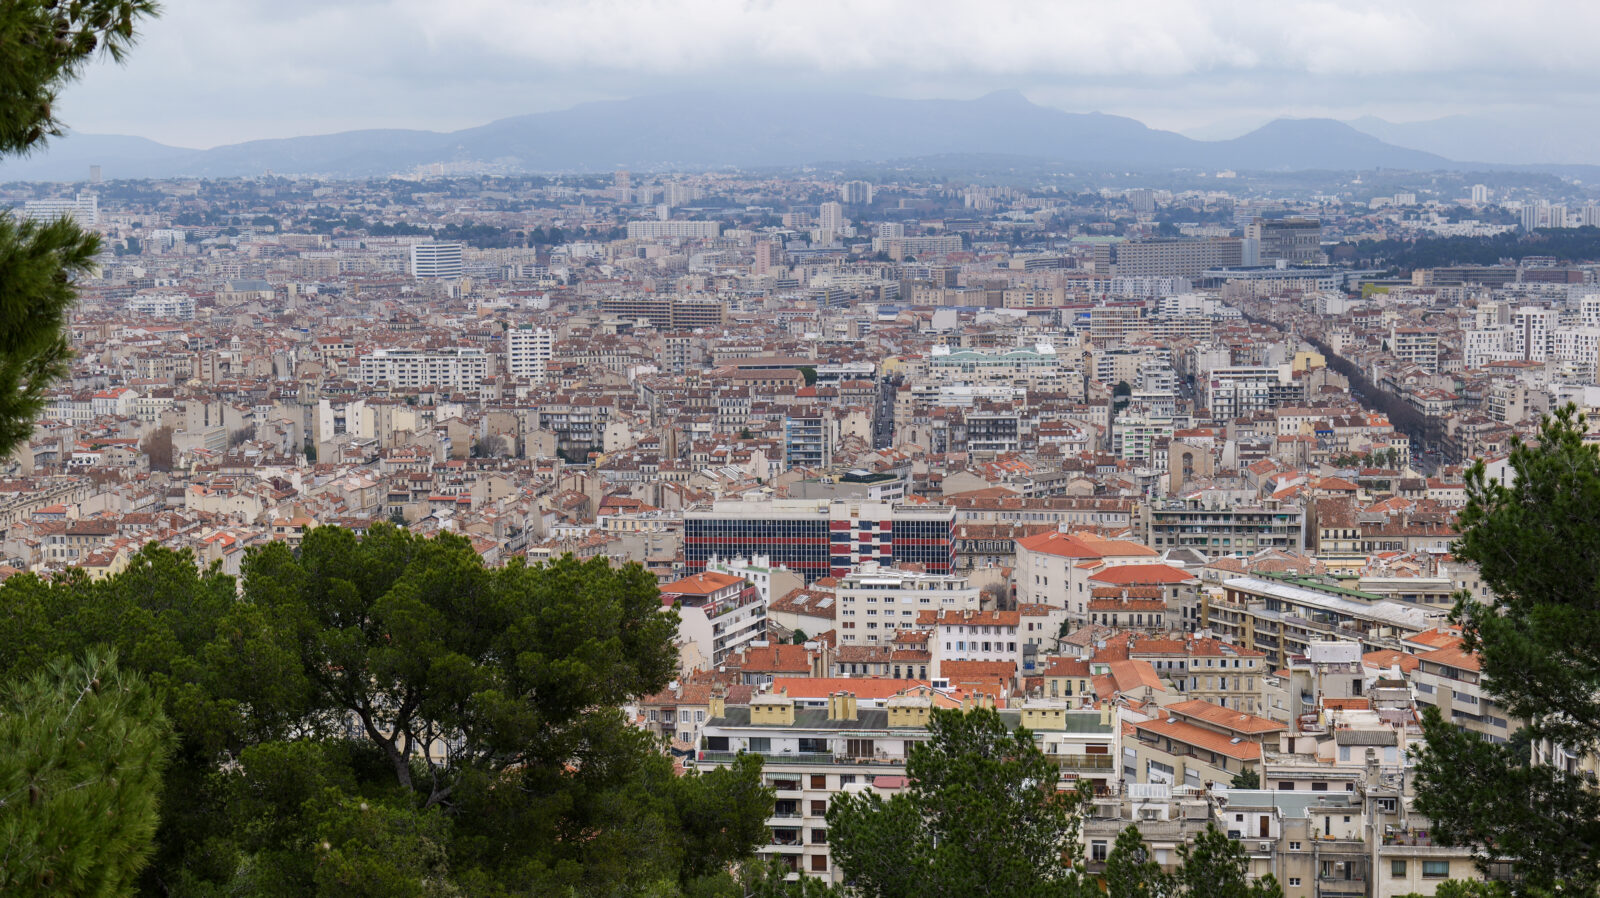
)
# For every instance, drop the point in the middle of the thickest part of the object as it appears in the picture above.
(1142, 574)
(1082, 545)
(1216, 715)
(702, 584)
(1388, 658)
(1451, 656)
(1200, 737)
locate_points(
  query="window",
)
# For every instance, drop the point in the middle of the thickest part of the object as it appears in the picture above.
(819, 808)
(1294, 846)
(819, 781)
(761, 744)
(1097, 850)
(1319, 787)
(1397, 869)
(819, 863)
(1294, 880)
(683, 716)
(1286, 786)
(1435, 869)
(819, 836)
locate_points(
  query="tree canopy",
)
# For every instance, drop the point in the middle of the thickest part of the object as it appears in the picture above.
(386, 715)
(82, 748)
(982, 815)
(1536, 541)
(43, 47)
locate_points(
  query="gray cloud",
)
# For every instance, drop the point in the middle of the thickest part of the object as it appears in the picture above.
(214, 71)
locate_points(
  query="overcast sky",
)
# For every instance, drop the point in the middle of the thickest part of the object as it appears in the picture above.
(218, 71)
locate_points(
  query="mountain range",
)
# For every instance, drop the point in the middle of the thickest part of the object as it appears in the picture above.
(707, 130)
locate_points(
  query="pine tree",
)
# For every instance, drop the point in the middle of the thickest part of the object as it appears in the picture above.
(1536, 541)
(82, 749)
(1130, 871)
(982, 816)
(44, 45)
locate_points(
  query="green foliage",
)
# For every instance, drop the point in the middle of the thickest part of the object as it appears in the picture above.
(1566, 244)
(1132, 873)
(82, 748)
(809, 373)
(982, 816)
(1214, 866)
(43, 46)
(1466, 888)
(36, 261)
(440, 725)
(47, 45)
(1247, 778)
(1536, 542)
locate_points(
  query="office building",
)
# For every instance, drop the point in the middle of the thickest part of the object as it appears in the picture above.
(436, 261)
(821, 538)
(528, 351)
(1295, 241)
(1167, 258)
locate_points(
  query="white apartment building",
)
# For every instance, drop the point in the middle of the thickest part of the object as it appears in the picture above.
(84, 209)
(177, 306)
(459, 368)
(528, 352)
(649, 230)
(436, 261)
(973, 635)
(876, 602)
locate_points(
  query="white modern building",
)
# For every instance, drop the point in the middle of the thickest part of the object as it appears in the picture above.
(178, 306)
(458, 368)
(876, 602)
(436, 261)
(84, 209)
(528, 351)
(649, 230)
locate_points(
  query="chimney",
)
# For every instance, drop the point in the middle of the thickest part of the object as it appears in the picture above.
(842, 706)
(718, 702)
(1105, 714)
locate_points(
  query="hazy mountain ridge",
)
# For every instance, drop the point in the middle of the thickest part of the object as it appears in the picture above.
(712, 130)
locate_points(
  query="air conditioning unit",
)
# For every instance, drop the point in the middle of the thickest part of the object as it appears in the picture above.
(1266, 846)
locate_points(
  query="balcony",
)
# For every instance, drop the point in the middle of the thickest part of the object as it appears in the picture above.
(804, 757)
(1085, 762)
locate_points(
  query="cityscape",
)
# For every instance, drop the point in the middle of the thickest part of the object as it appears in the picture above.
(1184, 472)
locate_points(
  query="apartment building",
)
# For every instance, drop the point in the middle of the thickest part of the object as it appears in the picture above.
(812, 754)
(455, 368)
(1055, 568)
(1218, 527)
(653, 230)
(718, 615)
(1196, 743)
(1285, 616)
(875, 601)
(529, 350)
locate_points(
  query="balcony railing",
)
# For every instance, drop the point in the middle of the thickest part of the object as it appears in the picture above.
(804, 757)
(1086, 762)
